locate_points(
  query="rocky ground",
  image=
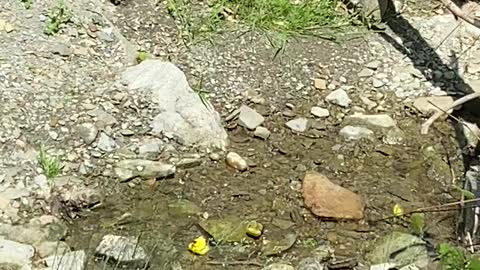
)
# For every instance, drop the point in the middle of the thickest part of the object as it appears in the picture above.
(293, 162)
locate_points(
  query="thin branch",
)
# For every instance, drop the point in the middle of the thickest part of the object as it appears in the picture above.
(456, 103)
(459, 13)
(457, 119)
(235, 263)
(436, 208)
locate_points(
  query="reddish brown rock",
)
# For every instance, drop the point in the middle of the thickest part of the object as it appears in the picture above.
(325, 199)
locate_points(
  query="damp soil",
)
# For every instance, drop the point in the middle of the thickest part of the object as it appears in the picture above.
(164, 214)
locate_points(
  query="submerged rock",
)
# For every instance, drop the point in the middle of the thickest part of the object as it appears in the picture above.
(400, 249)
(123, 250)
(147, 169)
(375, 120)
(69, 261)
(351, 133)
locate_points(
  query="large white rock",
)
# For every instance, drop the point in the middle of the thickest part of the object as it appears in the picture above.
(15, 253)
(182, 112)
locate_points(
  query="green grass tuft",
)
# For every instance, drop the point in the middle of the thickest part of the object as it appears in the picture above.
(57, 17)
(51, 166)
(285, 18)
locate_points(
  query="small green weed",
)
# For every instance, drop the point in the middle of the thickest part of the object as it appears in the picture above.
(454, 258)
(417, 223)
(51, 166)
(27, 3)
(202, 94)
(57, 16)
(451, 258)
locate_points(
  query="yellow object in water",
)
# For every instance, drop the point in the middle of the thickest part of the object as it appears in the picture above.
(199, 246)
(254, 229)
(397, 210)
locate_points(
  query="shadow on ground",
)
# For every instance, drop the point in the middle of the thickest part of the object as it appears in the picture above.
(417, 49)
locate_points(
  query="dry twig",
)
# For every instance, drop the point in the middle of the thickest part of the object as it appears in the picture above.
(456, 103)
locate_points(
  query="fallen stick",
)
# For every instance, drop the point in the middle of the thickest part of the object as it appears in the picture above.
(456, 103)
(459, 13)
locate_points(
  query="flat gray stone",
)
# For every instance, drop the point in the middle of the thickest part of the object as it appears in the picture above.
(366, 72)
(319, 112)
(262, 132)
(298, 125)
(105, 143)
(147, 169)
(339, 97)
(182, 112)
(15, 253)
(87, 132)
(377, 120)
(249, 118)
(351, 133)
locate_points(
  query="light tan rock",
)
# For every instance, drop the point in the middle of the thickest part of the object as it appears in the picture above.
(326, 199)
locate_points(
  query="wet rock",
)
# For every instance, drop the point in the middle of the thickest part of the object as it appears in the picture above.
(311, 264)
(401, 249)
(14, 193)
(298, 125)
(15, 253)
(227, 229)
(79, 197)
(123, 250)
(62, 49)
(320, 84)
(278, 266)
(69, 261)
(366, 72)
(249, 118)
(262, 132)
(280, 245)
(394, 136)
(377, 83)
(188, 162)
(376, 120)
(319, 112)
(106, 144)
(375, 64)
(339, 97)
(351, 133)
(383, 266)
(326, 199)
(182, 112)
(236, 161)
(49, 248)
(146, 169)
(152, 147)
(471, 133)
(103, 118)
(429, 105)
(183, 208)
(370, 104)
